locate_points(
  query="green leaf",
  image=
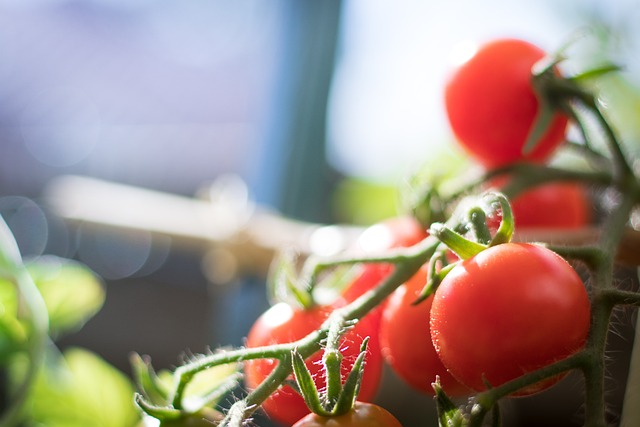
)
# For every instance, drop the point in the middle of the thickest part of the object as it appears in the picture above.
(540, 125)
(161, 413)
(148, 383)
(306, 385)
(81, 389)
(333, 282)
(596, 72)
(283, 284)
(72, 292)
(208, 386)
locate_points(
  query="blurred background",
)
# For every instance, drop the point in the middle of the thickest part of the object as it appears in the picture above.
(314, 109)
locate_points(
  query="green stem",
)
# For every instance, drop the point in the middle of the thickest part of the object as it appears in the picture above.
(594, 369)
(626, 184)
(601, 259)
(332, 360)
(184, 374)
(462, 246)
(592, 256)
(531, 175)
(622, 168)
(408, 262)
(478, 223)
(318, 265)
(404, 269)
(620, 297)
(568, 90)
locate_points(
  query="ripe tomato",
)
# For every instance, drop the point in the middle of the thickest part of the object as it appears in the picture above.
(282, 324)
(511, 309)
(362, 415)
(405, 340)
(491, 104)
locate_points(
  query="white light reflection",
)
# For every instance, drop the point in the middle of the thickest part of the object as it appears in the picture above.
(462, 51)
(375, 239)
(27, 222)
(277, 315)
(327, 241)
(114, 255)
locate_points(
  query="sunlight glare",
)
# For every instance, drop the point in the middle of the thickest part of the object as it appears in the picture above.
(277, 315)
(462, 51)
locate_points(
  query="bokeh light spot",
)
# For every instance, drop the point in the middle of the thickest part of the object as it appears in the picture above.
(61, 127)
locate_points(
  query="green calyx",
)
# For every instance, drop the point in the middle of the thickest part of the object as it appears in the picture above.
(337, 400)
(475, 216)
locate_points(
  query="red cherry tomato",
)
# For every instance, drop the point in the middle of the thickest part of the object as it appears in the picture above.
(405, 340)
(283, 324)
(491, 104)
(509, 310)
(362, 415)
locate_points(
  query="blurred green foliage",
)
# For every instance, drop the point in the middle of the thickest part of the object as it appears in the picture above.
(74, 388)
(80, 389)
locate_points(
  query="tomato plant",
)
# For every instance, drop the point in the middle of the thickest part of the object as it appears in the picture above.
(506, 319)
(509, 310)
(283, 324)
(405, 340)
(361, 415)
(492, 106)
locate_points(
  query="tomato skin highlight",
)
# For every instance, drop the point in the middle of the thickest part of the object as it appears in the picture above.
(491, 105)
(509, 310)
(283, 324)
(396, 232)
(362, 415)
(405, 340)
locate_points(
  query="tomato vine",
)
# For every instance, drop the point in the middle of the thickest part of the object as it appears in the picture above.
(467, 234)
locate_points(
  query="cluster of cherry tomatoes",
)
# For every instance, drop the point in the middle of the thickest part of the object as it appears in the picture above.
(508, 310)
